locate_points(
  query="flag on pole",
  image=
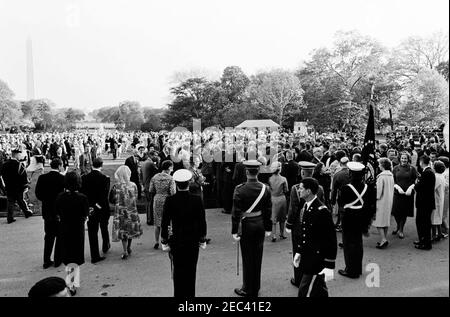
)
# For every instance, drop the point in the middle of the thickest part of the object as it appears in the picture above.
(368, 152)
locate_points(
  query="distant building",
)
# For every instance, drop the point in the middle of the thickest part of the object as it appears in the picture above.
(92, 125)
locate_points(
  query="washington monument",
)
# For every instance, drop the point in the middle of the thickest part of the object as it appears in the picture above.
(30, 72)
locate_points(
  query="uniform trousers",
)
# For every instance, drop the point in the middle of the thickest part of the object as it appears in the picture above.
(312, 285)
(93, 223)
(185, 259)
(252, 244)
(52, 234)
(353, 246)
(423, 224)
(295, 241)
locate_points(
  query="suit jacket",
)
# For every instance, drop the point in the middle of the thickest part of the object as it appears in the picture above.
(186, 214)
(15, 177)
(149, 170)
(318, 243)
(239, 175)
(425, 190)
(131, 162)
(48, 187)
(95, 186)
(291, 171)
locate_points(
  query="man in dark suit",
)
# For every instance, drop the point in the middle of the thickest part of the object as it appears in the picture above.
(249, 225)
(315, 253)
(132, 163)
(425, 203)
(48, 187)
(185, 213)
(149, 169)
(290, 170)
(95, 186)
(16, 184)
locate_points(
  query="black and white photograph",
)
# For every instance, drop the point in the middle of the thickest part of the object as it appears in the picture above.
(224, 154)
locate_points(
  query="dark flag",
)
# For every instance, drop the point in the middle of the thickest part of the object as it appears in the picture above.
(368, 152)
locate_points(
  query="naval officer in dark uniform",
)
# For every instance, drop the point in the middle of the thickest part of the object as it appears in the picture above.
(251, 212)
(295, 205)
(315, 253)
(185, 213)
(358, 209)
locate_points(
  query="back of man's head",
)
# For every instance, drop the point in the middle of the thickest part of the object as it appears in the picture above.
(97, 162)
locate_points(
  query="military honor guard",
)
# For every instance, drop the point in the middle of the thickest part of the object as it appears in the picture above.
(251, 213)
(316, 248)
(357, 198)
(185, 215)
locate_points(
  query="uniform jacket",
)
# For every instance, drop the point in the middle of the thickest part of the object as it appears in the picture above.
(95, 186)
(186, 214)
(48, 187)
(340, 179)
(317, 244)
(244, 196)
(425, 190)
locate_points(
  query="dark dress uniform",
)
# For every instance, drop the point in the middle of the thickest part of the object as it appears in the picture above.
(253, 229)
(317, 246)
(96, 187)
(356, 219)
(48, 187)
(186, 215)
(73, 209)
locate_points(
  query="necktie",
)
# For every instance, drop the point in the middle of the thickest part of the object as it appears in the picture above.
(302, 212)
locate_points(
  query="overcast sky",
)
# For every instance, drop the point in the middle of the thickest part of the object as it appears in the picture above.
(94, 53)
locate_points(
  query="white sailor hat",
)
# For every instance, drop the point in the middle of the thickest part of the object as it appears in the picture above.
(252, 164)
(344, 160)
(182, 175)
(355, 166)
(306, 165)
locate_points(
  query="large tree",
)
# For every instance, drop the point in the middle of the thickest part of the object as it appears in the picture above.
(279, 91)
(10, 112)
(131, 114)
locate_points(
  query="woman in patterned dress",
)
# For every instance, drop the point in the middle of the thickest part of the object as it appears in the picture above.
(161, 186)
(126, 223)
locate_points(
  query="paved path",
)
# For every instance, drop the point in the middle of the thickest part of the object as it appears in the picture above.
(404, 271)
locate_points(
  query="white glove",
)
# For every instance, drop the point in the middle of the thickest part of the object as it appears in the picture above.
(203, 245)
(399, 189)
(409, 190)
(296, 261)
(165, 247)
(288, 230)
(268, 233)
(236, 237)
(329, 274)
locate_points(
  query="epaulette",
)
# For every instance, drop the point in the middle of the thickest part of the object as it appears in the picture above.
(322, 207)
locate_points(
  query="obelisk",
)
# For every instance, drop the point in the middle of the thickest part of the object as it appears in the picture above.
(30, 71)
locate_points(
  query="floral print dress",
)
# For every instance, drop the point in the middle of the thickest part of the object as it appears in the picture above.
(161, 186)
(126, 222)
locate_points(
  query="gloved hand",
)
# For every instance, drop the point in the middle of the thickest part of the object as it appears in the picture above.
(165, 247)
(203, 245)
(236, 237)
(288, 230)
(399, 189)
(296, 260)
(409, 190)
(268, 233)
(329, 274)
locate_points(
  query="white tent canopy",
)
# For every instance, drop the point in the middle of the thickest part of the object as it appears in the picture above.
(258, 124)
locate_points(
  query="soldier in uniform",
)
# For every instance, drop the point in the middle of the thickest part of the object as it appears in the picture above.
(357, 199)
(185, 214)
(315, 253)
(251, 213)
(295, 205)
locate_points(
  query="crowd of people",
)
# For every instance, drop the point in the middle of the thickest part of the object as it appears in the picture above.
(297, 175)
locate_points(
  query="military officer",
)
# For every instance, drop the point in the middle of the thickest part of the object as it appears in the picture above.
(185, 213)
(251, 212)
(358, 209)
(315, 253)
(295, 205)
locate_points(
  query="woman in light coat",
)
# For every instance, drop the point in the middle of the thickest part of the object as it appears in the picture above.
(439, 192)
(385, 197)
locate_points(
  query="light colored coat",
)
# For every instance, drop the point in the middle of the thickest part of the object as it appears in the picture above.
(439, 193)
(385, 197)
